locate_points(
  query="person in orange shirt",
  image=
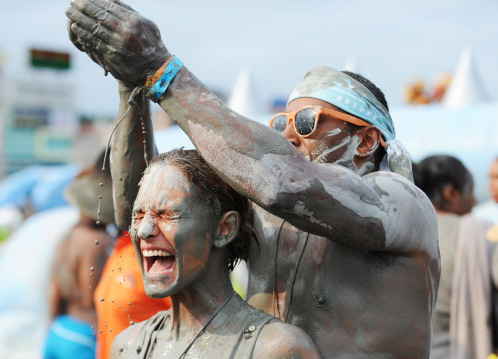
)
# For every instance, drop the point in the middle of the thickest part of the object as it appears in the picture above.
(120, 297)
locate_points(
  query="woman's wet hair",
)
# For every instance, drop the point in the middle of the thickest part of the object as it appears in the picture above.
(218, 194)
(434, 173)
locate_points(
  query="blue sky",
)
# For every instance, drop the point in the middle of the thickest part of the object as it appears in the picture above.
(393, 41)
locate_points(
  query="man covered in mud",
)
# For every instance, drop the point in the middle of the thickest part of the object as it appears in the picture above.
(345, 252)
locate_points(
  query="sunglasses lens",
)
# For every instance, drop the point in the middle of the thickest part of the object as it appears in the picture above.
(305, 121)
(279, 123)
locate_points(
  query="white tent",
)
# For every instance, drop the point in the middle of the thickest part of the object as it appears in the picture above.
(351, 65)
(465, 88)
(244, 98)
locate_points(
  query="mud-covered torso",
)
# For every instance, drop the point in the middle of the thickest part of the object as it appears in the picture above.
(233, 333)
(351, 302)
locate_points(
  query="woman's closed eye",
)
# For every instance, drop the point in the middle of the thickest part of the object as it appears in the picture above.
(170, 216)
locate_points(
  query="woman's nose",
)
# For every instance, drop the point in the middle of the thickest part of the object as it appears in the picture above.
(146, 227)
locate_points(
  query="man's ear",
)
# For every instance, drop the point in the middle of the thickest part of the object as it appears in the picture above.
(228, 229)
(369, 140)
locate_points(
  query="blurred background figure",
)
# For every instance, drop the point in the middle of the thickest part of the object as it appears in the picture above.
(77, 266)
(120, 297)
(43, 218)
(32, 190)
(87, 142)
(463, 320)
(489, 209)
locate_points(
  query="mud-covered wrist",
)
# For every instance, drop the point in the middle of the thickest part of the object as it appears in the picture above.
(156, 64)
(157, 84)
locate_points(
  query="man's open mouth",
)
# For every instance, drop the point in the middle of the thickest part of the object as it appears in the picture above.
(158, 261)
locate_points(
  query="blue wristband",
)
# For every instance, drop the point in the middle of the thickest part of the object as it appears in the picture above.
(169, 74)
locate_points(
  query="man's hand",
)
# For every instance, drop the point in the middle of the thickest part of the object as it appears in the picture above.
(399, 159)
(117, 38)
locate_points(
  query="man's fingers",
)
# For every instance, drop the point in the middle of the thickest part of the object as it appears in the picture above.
(122, 4)
(90, 42)
(119, 12)
(95, 28)
(72, 36)
(97, 59)
(93, 14)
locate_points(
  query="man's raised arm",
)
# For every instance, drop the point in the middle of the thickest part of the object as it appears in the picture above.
(97, 28)
(254, 159)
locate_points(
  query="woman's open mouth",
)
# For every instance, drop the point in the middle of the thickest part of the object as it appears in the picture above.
(158, 261)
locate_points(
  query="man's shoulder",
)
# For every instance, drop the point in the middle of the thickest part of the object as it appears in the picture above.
(386, 178)
(409, 217)
(384, 183)
(396, 189)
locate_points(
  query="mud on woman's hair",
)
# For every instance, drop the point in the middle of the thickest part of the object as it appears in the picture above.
(218, 194)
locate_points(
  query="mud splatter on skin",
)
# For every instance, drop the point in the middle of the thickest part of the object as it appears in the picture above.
(334, 132)
(406, 187)
(347, 158)
(320, 153)
(338, 216)
(146, 226)
(324, 152)
(399, 159)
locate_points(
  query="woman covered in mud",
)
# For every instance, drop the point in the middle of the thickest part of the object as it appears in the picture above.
(189, 229)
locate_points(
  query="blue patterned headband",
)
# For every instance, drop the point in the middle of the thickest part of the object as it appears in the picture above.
(344, 92)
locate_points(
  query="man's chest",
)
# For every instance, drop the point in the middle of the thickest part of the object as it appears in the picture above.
(290, 262)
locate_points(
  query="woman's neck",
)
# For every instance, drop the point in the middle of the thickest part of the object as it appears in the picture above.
(192, 307)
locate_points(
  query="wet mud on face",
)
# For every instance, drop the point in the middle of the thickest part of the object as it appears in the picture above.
(171, 216)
